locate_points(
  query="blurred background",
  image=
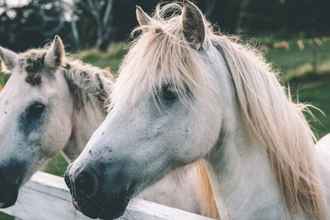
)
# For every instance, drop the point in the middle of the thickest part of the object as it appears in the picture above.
(293, 34)
(99, 23)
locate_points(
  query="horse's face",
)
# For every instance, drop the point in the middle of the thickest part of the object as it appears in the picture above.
(138, 144)
(35, 113)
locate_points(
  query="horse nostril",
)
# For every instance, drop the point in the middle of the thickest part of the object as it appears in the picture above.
(67, 179)
(86, 184)
(67, 176)
(12, 172)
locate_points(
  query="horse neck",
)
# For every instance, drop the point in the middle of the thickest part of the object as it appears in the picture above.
(85, 121)
(242, 180)
(241, 176)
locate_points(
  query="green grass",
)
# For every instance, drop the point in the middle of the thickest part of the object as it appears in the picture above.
(316, 92)
(294, 62)
(5, 217)
(296, 65)
(56, 166)
(307, 71)
(111, 59)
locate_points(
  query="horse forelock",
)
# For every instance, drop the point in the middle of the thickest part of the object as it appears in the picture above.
(161, 56)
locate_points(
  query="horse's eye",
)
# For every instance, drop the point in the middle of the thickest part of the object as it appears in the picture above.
(32, 117)
(35, 110)
(168, 94)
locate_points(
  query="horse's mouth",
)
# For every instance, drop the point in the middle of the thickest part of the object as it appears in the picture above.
(105, 210)
(8, 197)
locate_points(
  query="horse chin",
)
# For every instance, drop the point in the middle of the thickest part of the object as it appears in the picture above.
(107, 210)
(8, 197)
(115, 212)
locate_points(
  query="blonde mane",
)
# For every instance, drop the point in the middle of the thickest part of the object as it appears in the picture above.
(161, 55)
(86, 81)
(278, 123)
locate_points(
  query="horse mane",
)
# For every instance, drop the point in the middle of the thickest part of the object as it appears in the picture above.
(162, 55)
(84, 80)
(208, 206)
(276, 122)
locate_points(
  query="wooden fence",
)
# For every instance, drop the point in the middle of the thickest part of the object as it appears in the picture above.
(46, 197)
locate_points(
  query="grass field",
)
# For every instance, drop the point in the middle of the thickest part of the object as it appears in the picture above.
(305, 67)
(303, 64)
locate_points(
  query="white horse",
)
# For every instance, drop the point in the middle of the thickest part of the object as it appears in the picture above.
(49, 104)
(186, 93)
(52, 103)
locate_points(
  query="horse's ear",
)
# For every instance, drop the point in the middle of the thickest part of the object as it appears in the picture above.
(142, 17)
(193, 25)
(55, 54)
(9, 57)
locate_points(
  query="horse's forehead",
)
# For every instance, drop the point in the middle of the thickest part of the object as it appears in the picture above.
(33, 62)
(33, 65)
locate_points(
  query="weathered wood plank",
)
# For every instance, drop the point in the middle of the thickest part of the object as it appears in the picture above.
(46, 197)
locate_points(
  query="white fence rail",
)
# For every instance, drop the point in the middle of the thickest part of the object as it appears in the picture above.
(46, 197)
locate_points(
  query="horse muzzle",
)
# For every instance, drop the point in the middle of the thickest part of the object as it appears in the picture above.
(91, 197)
(8, 194)
(11, 176)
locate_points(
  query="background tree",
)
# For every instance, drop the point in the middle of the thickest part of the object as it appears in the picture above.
(97, 23)
(94, 22)
(32, 24)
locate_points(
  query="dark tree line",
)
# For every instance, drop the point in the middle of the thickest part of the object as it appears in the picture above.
(97, 23)
(32, 23)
